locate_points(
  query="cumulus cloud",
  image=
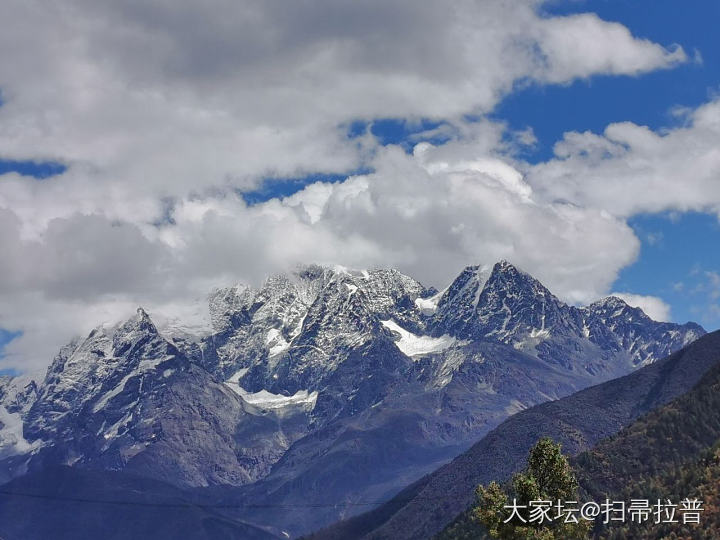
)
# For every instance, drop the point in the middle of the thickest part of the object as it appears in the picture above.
(630, 169)
(169, 98)
(428, 214)
(654, 307)
(164, 112)
(582, 45)
(432, 213)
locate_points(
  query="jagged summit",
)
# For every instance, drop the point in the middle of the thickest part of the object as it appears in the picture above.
(614, 306)
(505, 272)
(504, 265)
(140, 322)
(457, 308)
(502, 302)
(610, 301)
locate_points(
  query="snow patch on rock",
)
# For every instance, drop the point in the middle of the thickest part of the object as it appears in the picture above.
(414, 345)
(428, 306)
(276, 342)
(267, 400)
(235, 377)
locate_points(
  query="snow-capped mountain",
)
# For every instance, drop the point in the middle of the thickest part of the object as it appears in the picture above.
(293, 332)
(323, 385)
(128, 398)
(510, 306)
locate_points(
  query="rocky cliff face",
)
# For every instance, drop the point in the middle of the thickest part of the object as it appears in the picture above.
(325, 384)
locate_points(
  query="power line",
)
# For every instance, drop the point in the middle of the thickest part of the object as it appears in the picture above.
(193, 505)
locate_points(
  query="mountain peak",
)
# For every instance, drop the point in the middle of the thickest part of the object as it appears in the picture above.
(613, 306)
(457, 307)
(135, 328)
(503, 303)
(511, 279)
(505, 267)
(611, 300)
(142, 320)
(504, 263)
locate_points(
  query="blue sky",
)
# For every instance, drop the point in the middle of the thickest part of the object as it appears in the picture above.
(678, 248)
(677, 263)
(141, 136)
(646, 100)
(5, 338)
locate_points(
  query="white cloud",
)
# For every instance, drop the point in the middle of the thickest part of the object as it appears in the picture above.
(631, 169)
(432, 213)
(654, 307)
(428, 214)
(164, 99)
(155, 105)
(583, 45)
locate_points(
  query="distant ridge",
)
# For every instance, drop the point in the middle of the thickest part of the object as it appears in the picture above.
(578, 421)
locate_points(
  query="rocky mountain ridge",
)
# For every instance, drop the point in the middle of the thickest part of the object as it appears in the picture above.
(325, 384)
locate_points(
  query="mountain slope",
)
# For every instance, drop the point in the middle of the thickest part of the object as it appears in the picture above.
(670, 453)
(667, 453)
(578, 422)
(368, 456)
(698, 478)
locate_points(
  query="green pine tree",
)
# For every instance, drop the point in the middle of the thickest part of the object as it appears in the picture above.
(548, 477)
